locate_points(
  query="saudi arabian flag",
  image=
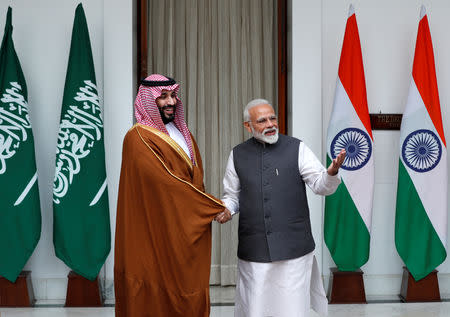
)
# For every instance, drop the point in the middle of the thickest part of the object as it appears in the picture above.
(348, 212)
(81, 230)
(421, 217)
(20, 213)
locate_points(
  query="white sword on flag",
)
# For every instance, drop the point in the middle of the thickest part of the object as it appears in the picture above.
(26, 190)
(99, 194)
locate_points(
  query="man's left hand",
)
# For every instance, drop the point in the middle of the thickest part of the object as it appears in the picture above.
(337, 162)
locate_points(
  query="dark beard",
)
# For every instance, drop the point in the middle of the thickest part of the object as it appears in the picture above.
(166, 120)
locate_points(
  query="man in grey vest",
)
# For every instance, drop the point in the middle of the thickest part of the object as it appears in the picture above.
(265, 182)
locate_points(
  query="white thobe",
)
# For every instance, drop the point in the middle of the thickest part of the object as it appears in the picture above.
(176, 135)
(283, 288)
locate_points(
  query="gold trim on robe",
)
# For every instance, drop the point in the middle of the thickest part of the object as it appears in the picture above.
(169, 140)
(175, 145)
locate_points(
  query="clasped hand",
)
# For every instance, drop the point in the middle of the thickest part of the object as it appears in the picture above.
(223, 216)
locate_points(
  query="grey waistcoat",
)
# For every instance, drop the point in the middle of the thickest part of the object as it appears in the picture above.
(274, 220)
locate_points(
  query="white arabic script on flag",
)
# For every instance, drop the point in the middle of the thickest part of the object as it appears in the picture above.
(14, 122)
(79, 130)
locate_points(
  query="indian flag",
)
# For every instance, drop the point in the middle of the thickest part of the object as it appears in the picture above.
(421, 215)
(348, 212)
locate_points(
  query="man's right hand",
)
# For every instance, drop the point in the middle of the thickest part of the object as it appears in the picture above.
(223, 216)
(336, 163)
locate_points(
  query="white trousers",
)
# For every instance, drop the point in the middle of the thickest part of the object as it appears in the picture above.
(280, 289)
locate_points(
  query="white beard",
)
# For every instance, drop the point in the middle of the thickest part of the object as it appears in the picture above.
(271, 139)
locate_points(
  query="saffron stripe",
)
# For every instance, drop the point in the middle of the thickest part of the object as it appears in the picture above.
(424, 75)
(351, 72)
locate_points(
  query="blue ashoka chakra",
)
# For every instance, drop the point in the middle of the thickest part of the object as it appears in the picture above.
(421, 150)
(356, 143)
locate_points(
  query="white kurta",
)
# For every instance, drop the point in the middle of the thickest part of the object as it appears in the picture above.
(283, 288)
(175, 134)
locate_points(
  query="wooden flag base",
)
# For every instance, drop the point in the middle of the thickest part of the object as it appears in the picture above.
(425, 290)
(346, 287)
(82, 292)
(18, 294)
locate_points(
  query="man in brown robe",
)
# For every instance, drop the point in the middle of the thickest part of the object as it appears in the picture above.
(163, 230)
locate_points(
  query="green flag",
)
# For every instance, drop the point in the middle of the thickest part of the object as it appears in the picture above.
(20, 214)
(81, 230)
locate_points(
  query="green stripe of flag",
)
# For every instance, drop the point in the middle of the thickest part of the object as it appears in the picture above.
(416, 240)
(346, 234)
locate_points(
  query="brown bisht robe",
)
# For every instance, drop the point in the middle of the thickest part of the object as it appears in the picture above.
(163, 230)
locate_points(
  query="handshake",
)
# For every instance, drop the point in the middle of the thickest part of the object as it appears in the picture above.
(223, 216)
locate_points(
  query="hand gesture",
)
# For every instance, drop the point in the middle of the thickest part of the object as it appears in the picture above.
(337, 162)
